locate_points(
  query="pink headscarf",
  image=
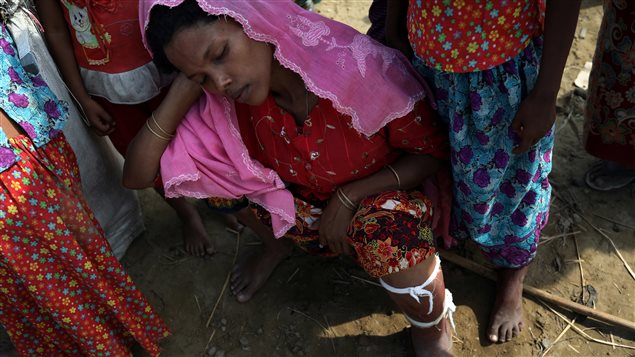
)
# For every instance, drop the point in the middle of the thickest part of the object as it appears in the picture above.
(363, 79)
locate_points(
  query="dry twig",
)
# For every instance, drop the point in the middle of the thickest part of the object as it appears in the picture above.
(292, 275)
(365, 280)
(546, 240)
(197, 304)
(308, 317)
(332, 333)
(222, 292)
(208, 342)
(582, 282)
(614, 221)
(559, 337)
(584, 334)
(617, 251)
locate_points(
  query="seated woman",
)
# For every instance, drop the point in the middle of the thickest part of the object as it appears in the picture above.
(324, 129)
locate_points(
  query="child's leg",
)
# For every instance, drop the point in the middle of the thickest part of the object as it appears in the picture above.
(195, 238)
(501, 199)
(130, 119)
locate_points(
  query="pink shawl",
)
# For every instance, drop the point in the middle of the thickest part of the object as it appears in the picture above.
(371, 83)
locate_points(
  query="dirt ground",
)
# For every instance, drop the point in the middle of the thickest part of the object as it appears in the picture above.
(321, 307)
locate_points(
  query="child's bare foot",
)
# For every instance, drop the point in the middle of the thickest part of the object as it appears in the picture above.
(433, 341)
(506, 319)
(251, 273)
(196, 241)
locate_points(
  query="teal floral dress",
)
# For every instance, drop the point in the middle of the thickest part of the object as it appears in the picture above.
(481, 58)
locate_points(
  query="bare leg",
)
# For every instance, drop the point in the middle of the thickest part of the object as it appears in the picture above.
(195, 238)
(506, 320)
(432, 341)
(251, 273)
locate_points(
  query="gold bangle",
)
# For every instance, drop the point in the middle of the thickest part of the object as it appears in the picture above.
(394, 172)
(159, 126)
(157, 134)
(346, 202)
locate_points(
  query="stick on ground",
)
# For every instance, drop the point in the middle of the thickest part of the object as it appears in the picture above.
(222, 292)
(541, 294)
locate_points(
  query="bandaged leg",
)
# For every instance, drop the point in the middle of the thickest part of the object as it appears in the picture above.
(417, 292)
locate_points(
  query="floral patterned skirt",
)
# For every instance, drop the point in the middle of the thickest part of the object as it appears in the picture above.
(610, 112)
(501, 200)
(62, 291)
(390, 232)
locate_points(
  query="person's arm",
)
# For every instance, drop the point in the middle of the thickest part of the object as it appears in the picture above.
(537, 112)
(412, 170)
(59, 43)
(144, 152)
(397, 26)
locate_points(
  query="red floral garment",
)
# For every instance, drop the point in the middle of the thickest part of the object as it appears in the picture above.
(472, 35)
(610, 112)
(62, 291)
(327, 151)
(390, 232)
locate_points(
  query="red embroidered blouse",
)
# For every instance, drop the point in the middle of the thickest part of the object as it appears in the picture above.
(327, 151)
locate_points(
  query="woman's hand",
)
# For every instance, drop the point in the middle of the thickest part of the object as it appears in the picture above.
(333, 226)
(99, 119)
(534, 119)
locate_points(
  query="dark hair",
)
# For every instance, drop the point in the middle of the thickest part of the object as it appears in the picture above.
(166, 21)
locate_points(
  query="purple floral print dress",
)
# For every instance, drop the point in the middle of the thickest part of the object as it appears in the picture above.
(501, 200)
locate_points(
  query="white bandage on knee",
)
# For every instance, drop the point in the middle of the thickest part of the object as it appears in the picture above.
(419, 291)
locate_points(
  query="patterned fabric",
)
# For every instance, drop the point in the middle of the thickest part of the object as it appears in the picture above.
(62, 292)
(26, 99)
(327, 151)
(225, 205)
(390, 232)
(471, 35)
(610, 112)
(501, 199)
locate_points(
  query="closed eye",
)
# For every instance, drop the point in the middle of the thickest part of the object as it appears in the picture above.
(221, 55)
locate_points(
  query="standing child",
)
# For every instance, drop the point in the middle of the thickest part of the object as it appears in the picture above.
(496, 75)
(62, 291)
(97, 46)
(609, 124)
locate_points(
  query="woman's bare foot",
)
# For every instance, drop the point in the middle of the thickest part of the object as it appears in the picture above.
(434, 341)
(506, 319)
(249, 275)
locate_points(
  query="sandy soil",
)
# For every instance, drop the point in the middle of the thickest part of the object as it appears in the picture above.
(317, 307)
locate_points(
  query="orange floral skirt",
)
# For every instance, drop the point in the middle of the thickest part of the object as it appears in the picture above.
(390, 232)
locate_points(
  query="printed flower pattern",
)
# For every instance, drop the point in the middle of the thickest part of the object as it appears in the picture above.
(62, 291)
(610, 111)
(390, 232)
(468, 36)
(501, 200)
(29, 102)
